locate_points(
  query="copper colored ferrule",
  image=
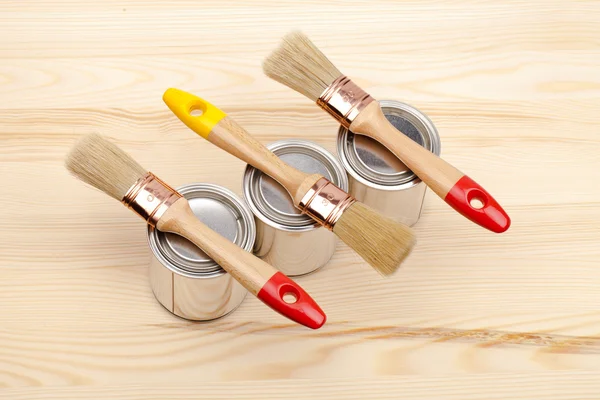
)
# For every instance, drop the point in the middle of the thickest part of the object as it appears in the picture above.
(344, 100)
(150, 198)
(325, 203)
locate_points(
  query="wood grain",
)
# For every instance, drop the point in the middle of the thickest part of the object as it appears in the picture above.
(513, 88)
(546, 386)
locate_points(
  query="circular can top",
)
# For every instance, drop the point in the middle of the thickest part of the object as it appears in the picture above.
(370, 162)
(271, 202)
(219, 209)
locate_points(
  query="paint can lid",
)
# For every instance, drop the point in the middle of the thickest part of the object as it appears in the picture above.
(368, 160)
(218, 208)
(270, 202)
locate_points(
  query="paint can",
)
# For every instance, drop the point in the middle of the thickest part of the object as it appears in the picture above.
(377, 177)
(290, 241)
(183, 278)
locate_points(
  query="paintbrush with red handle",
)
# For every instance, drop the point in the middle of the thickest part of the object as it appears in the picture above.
(300, 65)
(105, 166)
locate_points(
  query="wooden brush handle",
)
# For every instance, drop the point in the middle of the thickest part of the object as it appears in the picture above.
(235, 140)
(260, 278)
(454, 187)
(214, 125)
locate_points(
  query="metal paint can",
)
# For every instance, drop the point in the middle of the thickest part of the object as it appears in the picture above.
(183, 278)
(377, 177)
(290, 241)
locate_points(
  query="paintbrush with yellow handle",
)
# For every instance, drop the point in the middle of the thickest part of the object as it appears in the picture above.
(300, 65)
(383, 243)
(105, 166)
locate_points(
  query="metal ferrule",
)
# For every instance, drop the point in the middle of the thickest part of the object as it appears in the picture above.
(150, 198)
(344, 100)
(325, 203)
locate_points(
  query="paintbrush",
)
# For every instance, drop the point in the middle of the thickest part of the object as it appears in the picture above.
(300, 65)
(382, 242)
(105, 166)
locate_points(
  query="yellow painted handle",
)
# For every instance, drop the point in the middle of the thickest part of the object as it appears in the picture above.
(183, 104)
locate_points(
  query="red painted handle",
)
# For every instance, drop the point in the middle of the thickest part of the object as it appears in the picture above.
(490, 215)
(303, 310)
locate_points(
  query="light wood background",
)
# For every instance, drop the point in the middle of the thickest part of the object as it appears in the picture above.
(514, 89)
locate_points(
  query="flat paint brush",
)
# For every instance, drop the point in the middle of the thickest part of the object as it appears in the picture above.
(300, 65)
(103, 165)
(382, 242)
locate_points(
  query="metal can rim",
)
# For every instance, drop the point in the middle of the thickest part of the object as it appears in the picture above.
(306, 223)
(247, 241)
(413, 180)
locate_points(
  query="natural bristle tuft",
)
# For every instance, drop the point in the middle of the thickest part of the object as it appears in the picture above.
(102, 164)
(382, 242)
(300, 65)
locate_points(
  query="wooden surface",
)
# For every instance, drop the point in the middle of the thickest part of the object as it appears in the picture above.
(514, 89)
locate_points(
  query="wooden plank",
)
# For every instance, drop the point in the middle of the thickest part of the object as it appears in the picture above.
(529, 386)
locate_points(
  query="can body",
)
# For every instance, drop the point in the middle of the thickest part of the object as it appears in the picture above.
(183, 278)
(377, 177)
(290, 241)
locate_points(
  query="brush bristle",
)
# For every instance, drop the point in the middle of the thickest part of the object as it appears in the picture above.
(300, 65)
(100, 163)
(382, 242)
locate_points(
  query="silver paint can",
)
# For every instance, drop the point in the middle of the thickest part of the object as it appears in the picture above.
(183, 278)
(376, 176)
(290, 241)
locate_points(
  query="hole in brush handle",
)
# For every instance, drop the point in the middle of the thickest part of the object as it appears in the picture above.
(196, 111)
(289, 294)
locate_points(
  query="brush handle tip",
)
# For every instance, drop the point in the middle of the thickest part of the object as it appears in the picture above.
(463, 197)
(198, 114)
(301, 308)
